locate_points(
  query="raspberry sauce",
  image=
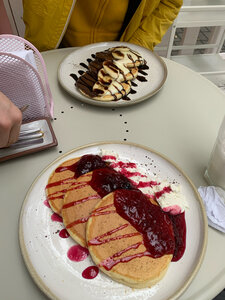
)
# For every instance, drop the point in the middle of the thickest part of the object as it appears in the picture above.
(77, 253)
(84, 165)
(46, 203)
(107, 180)
(56, 218)
(90, 272)
(64, 234)
(148, 219)
(179, 228)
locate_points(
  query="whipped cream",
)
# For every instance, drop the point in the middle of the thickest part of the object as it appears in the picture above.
(169, 196)
(172, 201)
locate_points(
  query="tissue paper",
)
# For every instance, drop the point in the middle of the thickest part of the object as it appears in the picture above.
(214, 201)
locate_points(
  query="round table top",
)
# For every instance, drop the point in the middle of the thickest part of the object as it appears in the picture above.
(181, 121)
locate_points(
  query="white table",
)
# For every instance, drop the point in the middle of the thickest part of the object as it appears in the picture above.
(181, 121)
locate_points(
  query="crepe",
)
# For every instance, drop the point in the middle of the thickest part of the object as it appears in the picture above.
(110, 74)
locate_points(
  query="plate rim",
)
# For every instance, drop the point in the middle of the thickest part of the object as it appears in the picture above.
(111, 104)
(36, 278)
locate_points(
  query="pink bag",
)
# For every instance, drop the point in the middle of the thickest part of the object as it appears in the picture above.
(23, 77)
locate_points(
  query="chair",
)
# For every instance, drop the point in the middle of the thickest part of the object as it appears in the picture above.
(183, 42)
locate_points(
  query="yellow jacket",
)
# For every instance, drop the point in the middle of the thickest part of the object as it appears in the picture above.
(46, 22)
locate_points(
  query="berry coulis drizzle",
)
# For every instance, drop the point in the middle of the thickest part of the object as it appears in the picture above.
(84, 165)
(148, 219)
(56, 218)
(162, 232)
(107, 180)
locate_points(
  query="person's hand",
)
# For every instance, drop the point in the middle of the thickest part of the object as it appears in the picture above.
(10, 121)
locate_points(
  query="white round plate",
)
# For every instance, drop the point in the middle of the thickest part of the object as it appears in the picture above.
(156, 77)
(45, 253)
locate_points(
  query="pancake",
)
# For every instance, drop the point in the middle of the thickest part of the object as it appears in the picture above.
(79, 202)
(118, 249)
(83, 195)
(65, 175)
(58, 183)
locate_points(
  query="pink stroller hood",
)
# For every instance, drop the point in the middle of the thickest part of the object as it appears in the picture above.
(23, 77)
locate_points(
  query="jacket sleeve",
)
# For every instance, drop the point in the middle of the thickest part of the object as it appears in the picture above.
(153, 27)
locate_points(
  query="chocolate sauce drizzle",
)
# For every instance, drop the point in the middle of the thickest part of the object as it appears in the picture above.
(74, 76)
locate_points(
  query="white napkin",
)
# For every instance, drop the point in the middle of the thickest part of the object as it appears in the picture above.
(214, 200)
(26, 55)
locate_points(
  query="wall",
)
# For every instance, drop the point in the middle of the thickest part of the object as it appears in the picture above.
(4, 21)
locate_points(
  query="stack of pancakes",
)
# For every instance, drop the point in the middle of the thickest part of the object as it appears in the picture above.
(90, 216)
(110, 73)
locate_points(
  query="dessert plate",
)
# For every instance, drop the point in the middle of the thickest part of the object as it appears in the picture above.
(45, 251)
(78, 61)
